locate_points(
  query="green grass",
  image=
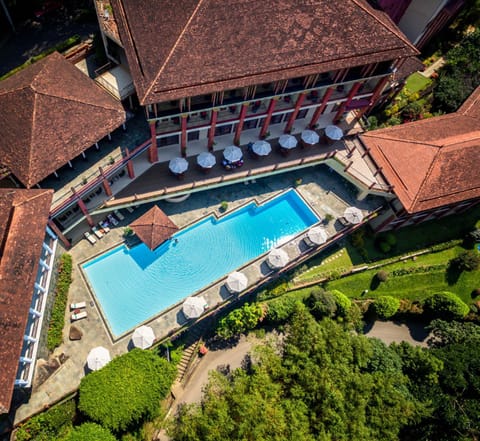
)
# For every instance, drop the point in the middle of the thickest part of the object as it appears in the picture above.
(417, 82)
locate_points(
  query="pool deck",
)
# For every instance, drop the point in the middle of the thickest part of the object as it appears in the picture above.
(325, 191)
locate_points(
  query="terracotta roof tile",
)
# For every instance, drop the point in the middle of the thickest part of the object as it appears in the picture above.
(192, 47)
(23, 218)
(431, 162)
(154, 227)
(50, 113)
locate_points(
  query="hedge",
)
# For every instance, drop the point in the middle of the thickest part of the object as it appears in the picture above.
(386, 306)
(57, 319)
(445, 305)
(342, 301)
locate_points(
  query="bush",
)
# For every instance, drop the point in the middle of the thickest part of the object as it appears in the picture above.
(90, 432)
(48, 425)
(385, 247)
(391, 239)
(241, 320)
(280, 309)
(382, 276)
(445, 305)
(342, 301)
(386, 306)
(466, 261)
(321, 303)
(356, 239)
(127, 390)
(57, 319)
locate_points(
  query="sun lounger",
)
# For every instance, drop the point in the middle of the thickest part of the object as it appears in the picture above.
(119, 215)
(112, 220)
(105, 227)
(79, 315)
(90, 238)
(129, 209)
(78, 305)
(97, 232)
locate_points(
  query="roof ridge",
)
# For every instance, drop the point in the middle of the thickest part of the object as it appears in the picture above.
(426, 176)
(177, 42)
(413, 141)
(32, 135)
(393, 29)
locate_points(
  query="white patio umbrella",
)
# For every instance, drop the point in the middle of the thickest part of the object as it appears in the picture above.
(287, 141)
(334, 132)
(193, 307)
(143, 337)
(178, 165)
(236, 282)
(261, 148)
(206, 160)
(353, 215)
(277, 258)
(310, 137)
(97, 358)
(317, 235)
(233, 153)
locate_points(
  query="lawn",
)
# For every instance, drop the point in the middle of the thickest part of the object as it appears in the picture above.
(417, 82)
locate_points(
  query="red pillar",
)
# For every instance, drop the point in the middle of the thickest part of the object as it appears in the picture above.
(130, 169)
(378, 89)
(152, 150)
(293, 115)
(211, 133)
(183, 136)
(241, 119)
(321, 107)
(268, 118)
(105, 183)
(83, 208)
(350, 96)
(60, 235)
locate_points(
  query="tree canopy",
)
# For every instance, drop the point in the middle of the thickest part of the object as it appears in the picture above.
(127, 390)
(90, 432)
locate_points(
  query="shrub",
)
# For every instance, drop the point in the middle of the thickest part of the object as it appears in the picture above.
(385, 247)
(382, 276)
(357, 239)
(127, 390)
(241, 320)
(280, 309)
(127, 231)
(466, 261)
(321, 303)
(90, 432)
(391, 239)
(48, 425)
(445, 305)
(386, 306)
(223, 206)
(342, 301)
(57, 319)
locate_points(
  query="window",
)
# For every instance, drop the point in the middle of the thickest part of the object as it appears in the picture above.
(168, 140)
(276, 119)
(193, 136)
(223, 130)
(250, 124)
(302, 114)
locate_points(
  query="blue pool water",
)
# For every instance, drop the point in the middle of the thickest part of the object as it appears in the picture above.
(133, 285)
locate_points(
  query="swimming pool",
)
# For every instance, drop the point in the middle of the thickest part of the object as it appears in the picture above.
(133, 285)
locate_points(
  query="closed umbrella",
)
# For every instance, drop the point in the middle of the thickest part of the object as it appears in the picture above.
(97, 358)
(232, 153)
(277, 258)
(193, 307)
(178, 165)
(287, 141)
(206, 160)
(353, 215)
(236, 282)
(143, 337)
(310, 137)
(261, 148)
(317, 235)
(334, 132)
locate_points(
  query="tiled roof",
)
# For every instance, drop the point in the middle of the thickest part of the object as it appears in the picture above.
(23, 218)
(432, 162)
(182, 48)
(50, 113)
(154, 227)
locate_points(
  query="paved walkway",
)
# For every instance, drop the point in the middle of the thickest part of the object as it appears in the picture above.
(389, 332)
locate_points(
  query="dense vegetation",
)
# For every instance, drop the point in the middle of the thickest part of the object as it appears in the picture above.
(57, 319)
(127, 390)
(329, 384)
(90, 432)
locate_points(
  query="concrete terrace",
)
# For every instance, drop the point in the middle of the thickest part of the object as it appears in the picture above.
(323, 189)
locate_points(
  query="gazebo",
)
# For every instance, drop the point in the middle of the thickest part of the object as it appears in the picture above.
(154, 227)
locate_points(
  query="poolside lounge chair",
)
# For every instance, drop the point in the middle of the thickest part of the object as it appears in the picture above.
(129, 209)
(119, 215)
(90, 238)
(79, 315)
(104, 226)
(97, 232)
(78, 305)
(112, 220)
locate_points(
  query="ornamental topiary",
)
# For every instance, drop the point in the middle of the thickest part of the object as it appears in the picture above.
(342, 301)
(382, 276)
(386, 306)
(445, 305)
